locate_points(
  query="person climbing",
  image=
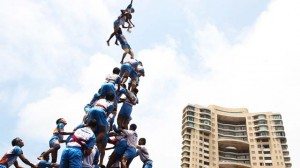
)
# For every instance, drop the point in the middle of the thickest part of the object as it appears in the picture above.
(130, 152)
(99, 112)
(10, 157)
(112, 81)
(55, 140)
(124, 115)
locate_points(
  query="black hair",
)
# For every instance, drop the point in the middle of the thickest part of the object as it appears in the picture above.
(110, 97)
(135, 90)
(116, 70)
(92, 123)
(129, 16)
(143, 140)
(58, 120)
(15, 141)
(133, 127)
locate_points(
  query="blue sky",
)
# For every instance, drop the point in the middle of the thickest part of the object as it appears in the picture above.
(53, 57)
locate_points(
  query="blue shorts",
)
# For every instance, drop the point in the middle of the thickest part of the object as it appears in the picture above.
(106, 89)
(130, 152)
(98, 114)
(148, 164)
(44, 164)
(126, 68)
(71, 157)
(126, 46)
(54, 143)
(2, 166)
(120, 148)
(125, 110)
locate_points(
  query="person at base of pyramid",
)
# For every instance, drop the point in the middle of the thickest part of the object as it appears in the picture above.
(80, 144)
(99, 113)
(124, 44)
(143, 153)
(124, 115)
(10, 157)
(91, 161)
(109, 87)
(46, 164)
(55, 140)
(130, 152)
(124, 149)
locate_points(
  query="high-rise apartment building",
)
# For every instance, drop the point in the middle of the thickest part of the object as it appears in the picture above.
(217, 137)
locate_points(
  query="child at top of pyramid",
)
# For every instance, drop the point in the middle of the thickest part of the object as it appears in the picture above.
(55, 140)
(125, 17)
(10, 157)
(124, 44)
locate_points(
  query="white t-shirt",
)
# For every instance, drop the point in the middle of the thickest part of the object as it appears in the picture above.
(143, 152)
(131, 137)
(88, 161)
(112, 78)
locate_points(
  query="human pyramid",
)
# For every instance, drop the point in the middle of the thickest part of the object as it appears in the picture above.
(86, 144)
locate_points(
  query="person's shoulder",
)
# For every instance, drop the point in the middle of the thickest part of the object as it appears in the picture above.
(17, 150)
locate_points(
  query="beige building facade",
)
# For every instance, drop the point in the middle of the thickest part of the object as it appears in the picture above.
(218, 137)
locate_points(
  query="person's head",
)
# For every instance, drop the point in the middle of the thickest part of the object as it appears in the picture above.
(17, 142)
(132, 127)
(128, 16)
(61, 120)
(135, 90)
(142, 141)
(110, 97)
(141, 72)
(131, 10)
(116, 70)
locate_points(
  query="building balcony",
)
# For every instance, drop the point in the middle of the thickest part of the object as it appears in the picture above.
(205, 111)
(228, 163)
(288, 165)
(233, 134)
(232, 127)
(240, 145)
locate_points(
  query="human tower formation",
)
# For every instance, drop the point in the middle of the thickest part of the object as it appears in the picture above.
(86, 144)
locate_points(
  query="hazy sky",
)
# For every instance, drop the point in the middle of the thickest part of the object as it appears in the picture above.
(53, 57)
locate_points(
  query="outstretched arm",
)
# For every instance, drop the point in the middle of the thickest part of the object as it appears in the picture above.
(26, 161)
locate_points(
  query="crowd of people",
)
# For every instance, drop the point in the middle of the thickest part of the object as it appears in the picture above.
(87, 143)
